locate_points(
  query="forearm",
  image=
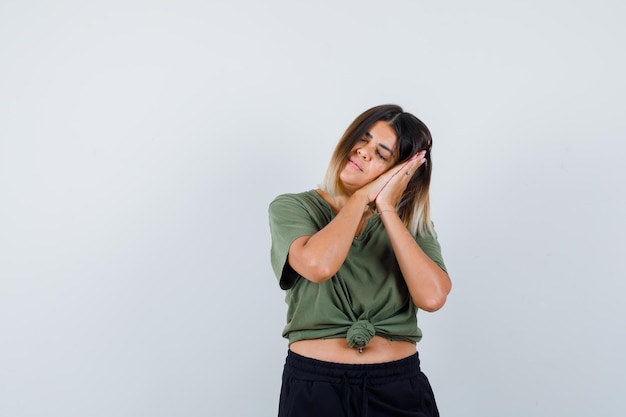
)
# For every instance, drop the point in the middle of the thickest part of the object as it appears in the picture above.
(428, 284)
(319, 257)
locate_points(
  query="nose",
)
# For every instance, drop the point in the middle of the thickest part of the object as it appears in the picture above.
(364, 152)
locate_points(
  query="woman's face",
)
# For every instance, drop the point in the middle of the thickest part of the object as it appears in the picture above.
(371, 156)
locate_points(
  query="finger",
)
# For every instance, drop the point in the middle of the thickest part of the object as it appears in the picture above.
(403, 166)
(398, 169)
(414, 163)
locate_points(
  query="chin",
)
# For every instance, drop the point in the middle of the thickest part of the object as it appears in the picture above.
(350, 187)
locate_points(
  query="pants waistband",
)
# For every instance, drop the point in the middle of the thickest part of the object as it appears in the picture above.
(375, 373)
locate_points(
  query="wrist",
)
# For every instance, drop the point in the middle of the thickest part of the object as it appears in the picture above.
(387, 212)
(361, 197)
(385, 207)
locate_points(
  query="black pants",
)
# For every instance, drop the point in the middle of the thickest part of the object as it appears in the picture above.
(313, 388)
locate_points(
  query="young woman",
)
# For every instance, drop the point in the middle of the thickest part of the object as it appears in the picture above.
(357, 258)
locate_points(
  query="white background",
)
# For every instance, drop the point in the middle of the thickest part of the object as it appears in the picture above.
(142, 141)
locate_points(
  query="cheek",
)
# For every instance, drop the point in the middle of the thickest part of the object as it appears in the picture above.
(381, 168)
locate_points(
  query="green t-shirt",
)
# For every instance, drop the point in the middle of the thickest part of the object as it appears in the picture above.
(367, 293)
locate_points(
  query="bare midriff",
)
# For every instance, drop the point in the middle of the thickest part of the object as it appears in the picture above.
(378, 350)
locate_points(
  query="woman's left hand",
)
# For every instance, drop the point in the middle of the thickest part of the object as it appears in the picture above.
(391, 193)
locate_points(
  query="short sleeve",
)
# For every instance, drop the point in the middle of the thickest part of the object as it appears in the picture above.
(431, 247)
(289, 219)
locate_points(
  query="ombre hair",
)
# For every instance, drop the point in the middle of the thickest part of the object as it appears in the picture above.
(412, 137)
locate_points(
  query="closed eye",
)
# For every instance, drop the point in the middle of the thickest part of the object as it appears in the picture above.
(367, 137)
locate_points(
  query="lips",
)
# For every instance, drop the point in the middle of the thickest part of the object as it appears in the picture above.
(354, 165)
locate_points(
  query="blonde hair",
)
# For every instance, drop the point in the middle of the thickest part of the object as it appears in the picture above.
(412, 137)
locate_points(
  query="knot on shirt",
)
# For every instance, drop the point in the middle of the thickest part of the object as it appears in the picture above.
(360, 333)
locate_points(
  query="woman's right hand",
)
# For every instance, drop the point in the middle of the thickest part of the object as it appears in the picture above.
(374, 188)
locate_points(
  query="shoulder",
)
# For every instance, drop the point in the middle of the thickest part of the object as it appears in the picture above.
(308, 198)
(307, 207)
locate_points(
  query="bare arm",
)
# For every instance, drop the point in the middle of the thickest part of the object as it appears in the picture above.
(428, 284)
(320, 256)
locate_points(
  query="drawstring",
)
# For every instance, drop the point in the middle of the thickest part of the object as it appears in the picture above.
(346, 396)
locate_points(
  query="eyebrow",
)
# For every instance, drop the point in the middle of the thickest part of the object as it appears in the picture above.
(369, 135)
